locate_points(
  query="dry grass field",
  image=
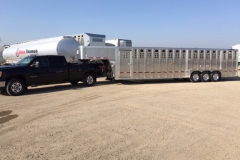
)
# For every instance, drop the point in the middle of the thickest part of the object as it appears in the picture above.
(162, 119)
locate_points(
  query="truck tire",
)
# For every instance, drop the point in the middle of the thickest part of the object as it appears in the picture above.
(195, 77)
(74, 82)
(205, 77)
(215, 76)
(15, 87)
(89, 79)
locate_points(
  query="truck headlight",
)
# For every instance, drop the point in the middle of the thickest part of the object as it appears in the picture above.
(0, 73)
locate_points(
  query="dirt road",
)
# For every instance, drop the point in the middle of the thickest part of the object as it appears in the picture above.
(164, 119)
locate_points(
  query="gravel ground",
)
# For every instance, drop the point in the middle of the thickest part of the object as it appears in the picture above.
(163, 119)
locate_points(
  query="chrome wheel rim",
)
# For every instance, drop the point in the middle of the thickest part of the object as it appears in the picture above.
(16, 87)
(195, 77)
(89, 80)
(206, 77)
(215, 77)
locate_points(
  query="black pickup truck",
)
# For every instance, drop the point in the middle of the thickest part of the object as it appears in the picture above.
(40, 70)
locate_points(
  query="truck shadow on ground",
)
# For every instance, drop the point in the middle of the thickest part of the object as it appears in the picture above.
(60, 87)
(5, 116)
(52, 88)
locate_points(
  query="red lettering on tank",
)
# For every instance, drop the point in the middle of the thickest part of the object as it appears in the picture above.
(18, 52)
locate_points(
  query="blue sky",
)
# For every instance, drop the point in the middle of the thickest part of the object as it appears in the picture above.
(150, 23)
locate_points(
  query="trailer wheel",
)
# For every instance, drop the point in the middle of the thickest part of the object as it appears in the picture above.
(74, 82)
(215, 76)
(195, 77)
(89, 79)
(205, 77)
(15, 87)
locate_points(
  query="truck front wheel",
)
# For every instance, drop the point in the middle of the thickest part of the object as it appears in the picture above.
(89, 79)
(15, 87)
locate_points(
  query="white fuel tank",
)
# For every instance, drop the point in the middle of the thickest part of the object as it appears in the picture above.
(1, 54)
(64, 45)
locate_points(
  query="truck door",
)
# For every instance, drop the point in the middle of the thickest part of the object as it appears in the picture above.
(40, 74)
(58, 68)
(125, 64)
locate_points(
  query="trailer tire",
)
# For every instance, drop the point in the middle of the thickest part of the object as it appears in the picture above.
(89, 79)
(205, 77)
(15, 87)
(216, 76)
(74, 82)
(195, 77)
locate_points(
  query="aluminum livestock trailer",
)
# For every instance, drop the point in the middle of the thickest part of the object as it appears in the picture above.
(139, 63)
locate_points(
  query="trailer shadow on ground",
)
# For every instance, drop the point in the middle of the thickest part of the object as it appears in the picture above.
(137, 82)
(231, 79)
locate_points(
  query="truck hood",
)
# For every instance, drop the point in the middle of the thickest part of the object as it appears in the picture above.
(9, 67)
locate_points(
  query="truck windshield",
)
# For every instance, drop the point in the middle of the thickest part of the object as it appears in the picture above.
(25, 61)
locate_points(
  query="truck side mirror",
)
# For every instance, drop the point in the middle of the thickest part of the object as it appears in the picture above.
(35, 64)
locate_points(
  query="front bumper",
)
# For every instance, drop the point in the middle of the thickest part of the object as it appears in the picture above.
(2, 85)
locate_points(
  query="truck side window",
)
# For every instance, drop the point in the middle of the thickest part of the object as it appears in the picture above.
(56, 61)
(43, 61)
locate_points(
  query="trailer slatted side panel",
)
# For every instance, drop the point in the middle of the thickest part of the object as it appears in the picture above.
(189, 62)
(149, 63)
(229, 63)
(207, 60)
(176, 63)
(163, 67)
(156, 63)
(135, 59)
(195, 60)
(183, 63)
(214, 60)
(235, 61)
(141, 64)
(224, 63)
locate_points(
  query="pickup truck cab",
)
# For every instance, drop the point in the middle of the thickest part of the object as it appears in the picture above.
(41, 70)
